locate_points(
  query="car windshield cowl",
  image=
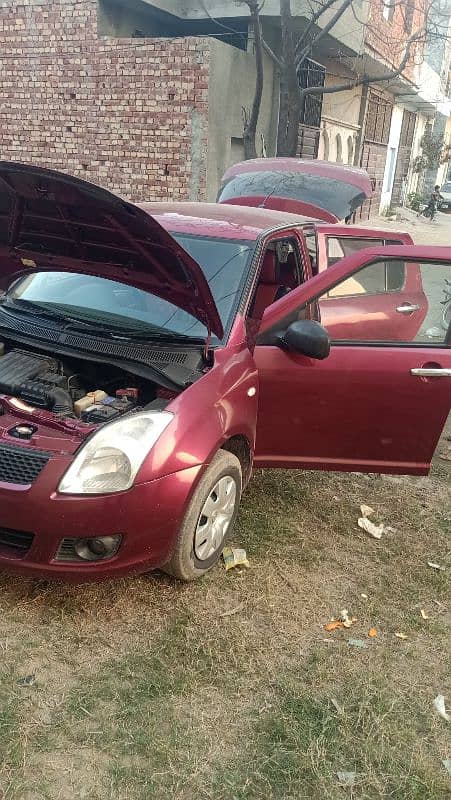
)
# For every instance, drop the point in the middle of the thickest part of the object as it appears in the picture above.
(100, 327)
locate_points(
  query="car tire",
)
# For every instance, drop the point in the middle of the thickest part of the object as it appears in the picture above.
(209, 519)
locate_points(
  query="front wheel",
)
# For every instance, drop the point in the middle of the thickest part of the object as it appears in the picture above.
(209, 519)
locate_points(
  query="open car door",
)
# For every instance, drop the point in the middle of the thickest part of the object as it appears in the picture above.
(334, 242)
(387, 301)
(376, 403)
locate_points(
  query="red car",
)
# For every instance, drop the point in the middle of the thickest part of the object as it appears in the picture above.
(323, 190)
(151, 356)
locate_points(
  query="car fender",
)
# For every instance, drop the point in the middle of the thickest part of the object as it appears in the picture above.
(220, 405)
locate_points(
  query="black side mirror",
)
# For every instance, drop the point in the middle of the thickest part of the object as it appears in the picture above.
(307, 338)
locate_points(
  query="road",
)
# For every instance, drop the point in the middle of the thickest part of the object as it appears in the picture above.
(424, 231)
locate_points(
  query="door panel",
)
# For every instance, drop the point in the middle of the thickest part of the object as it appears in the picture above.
(378, 318)
(360, 409)
(384, 302)
(376, 403)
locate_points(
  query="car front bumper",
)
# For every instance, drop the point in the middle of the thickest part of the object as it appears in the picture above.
(148, 517)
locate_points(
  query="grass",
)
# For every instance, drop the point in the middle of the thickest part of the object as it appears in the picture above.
(143, 690)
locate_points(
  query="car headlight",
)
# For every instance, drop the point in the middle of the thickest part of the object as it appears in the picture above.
(111, 458)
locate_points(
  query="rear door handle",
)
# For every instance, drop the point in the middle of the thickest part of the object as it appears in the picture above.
(407, 308)
(430, 372)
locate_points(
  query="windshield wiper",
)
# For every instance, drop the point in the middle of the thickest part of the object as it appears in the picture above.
(30, 308)
(143, 334)
(118, 332)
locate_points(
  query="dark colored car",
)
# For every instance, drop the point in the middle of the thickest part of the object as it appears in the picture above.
(151, 356)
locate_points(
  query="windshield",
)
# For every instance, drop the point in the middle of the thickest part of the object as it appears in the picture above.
(336, 196)
(98, 300)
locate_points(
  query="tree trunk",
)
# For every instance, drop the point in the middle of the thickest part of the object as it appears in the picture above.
(251, 119)
(290, 102)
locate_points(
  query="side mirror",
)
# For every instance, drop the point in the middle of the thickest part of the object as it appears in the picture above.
(306, 337)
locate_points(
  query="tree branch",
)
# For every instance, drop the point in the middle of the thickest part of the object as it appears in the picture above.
(277, 61)
(312, 22)
(221, 24)
(366, 79)
(323, 32)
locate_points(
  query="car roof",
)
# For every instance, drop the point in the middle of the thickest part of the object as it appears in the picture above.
(220, 219)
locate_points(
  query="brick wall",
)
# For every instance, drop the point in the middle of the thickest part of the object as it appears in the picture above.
(129, 114)
(387, 38)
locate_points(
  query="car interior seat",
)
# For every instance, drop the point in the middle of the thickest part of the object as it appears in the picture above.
(270, 285)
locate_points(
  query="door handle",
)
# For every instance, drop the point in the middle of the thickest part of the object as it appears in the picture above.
(430, 372)
(407, 308)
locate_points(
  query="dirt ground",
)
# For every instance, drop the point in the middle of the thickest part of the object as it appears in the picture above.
(231, 688)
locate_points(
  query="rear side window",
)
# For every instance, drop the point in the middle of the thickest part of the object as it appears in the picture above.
(373, 279)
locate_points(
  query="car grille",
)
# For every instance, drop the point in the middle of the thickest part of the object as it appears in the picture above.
(21, 465)
(15, 543)
(66, 551)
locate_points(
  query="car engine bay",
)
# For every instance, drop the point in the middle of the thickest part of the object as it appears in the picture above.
(69, 388)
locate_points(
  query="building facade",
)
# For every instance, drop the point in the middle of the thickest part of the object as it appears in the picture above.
(146, 97)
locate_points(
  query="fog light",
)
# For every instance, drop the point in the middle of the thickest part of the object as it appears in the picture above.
(96, 548)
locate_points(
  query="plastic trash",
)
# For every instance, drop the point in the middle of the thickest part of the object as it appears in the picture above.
(27, 680)
(346, 619)
(439, 705)
(234, 557)
(360, 643)
(375, 531)
(372, 633)
(402, 636)
(338, 708)
(346, 778)
(423, 613)
(433, 565)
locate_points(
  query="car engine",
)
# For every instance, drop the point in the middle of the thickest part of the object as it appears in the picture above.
(91, 392)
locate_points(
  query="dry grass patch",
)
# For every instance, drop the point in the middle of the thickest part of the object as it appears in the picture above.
(144, 690)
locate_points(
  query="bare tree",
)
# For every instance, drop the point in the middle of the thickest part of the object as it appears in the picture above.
(295, 49)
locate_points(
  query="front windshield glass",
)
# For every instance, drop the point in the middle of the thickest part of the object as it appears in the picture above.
(98, 300)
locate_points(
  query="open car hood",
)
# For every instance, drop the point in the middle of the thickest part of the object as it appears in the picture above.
(50, 221)
(318, 188)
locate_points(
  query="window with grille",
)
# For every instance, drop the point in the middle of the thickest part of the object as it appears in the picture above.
(311, 73)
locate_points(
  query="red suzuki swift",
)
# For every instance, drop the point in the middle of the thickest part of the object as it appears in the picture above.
(151, 356)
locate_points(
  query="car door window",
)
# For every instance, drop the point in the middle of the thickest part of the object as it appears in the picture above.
(280, 272)
(373, 279)
(390, 301)
(311, 243)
